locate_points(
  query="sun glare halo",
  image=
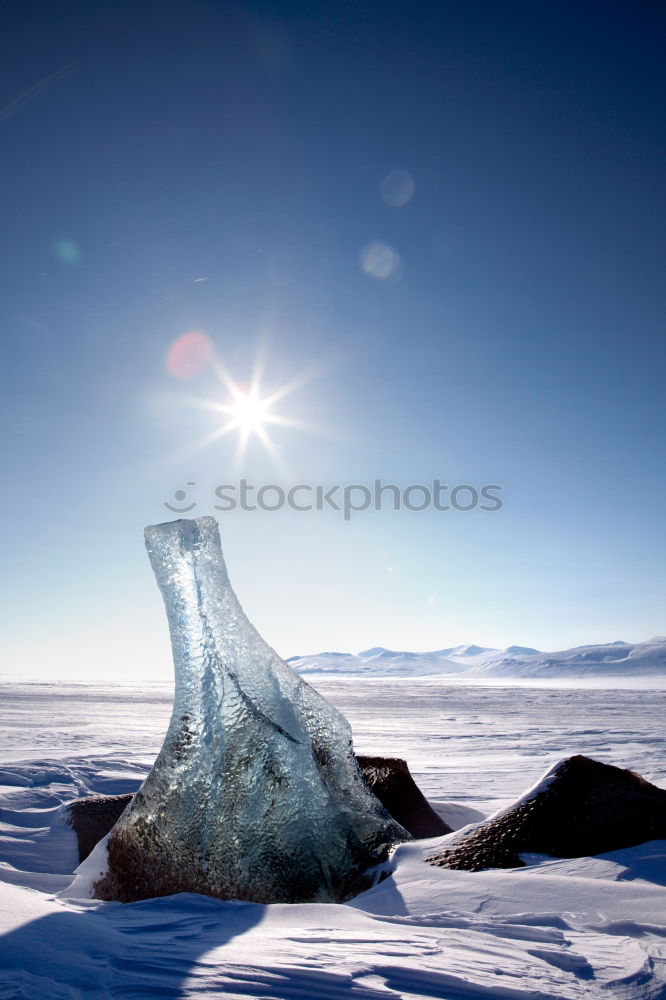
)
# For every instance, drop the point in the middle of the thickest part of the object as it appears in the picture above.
(249, 412)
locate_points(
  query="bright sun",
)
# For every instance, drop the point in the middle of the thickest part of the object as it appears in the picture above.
(249, 413)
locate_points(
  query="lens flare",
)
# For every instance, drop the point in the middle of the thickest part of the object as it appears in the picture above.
(397, 188)
(380, 261)
(67, 252)
(189, 355)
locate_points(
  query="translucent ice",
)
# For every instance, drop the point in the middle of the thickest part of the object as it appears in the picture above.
(256, 793)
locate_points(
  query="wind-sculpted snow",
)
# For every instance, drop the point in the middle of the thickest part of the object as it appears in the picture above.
(256, 793)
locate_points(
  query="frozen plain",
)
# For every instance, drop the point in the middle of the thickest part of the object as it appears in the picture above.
(573, 928)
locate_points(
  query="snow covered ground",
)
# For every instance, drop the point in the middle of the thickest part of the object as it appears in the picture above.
(555, 929)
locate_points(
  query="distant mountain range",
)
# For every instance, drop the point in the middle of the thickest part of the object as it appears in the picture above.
(608, 659)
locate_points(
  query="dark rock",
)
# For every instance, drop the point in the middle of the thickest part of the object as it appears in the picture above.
(92, 818)
(391, 781)
(388, 777)
(581, 808)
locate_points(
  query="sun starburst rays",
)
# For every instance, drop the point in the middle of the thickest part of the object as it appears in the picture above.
(247, 409)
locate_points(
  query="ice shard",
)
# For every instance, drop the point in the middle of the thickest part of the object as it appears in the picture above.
(256, 793)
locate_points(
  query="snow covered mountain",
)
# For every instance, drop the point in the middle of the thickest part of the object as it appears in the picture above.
(608, 659)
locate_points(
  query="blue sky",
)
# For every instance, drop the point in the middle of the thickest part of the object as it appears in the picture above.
(148, 146)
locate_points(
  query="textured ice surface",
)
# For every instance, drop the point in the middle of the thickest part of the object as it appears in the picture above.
(256, 793)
